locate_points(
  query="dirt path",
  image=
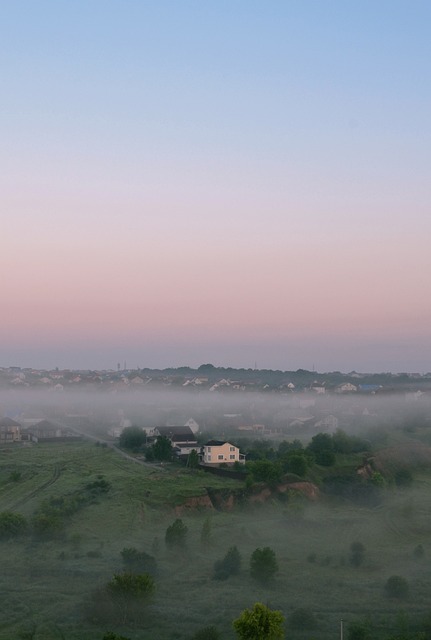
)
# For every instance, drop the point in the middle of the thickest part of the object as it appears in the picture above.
(55, 476)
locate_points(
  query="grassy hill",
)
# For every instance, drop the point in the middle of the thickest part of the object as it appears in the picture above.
(46, 581)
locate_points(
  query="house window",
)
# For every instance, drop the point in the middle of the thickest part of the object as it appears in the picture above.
(209, 458)
(208, 449)
(220, 456)
(231, 448)
(232, 456)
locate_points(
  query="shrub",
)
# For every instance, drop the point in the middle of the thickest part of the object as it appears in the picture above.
(12, 525)
(176, 534)
(263, 564)
(138, 561)
(230, 565)
(206, 533)
(122, 600)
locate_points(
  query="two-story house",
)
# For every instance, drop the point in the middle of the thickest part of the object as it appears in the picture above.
(219, 452)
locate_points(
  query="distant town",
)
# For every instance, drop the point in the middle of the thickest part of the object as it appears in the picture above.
(215, 379)
(201, 404)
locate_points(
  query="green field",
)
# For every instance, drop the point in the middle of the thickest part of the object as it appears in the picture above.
(44, 584)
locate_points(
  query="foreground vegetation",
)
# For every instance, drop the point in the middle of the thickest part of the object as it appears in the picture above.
(335, 557)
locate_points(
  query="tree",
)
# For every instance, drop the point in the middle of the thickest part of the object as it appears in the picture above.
(206, 533)
(229, 566)
(397, 587)
(193, 459)
(259, 623)
(162, 449)
(122, 600)
(129, 593)
(176, 534)
(132, 438)
(357, 551)
(113, 636)
(265, 471)
(296, 463)
(138, 561)
(263, 564)
(322, 447)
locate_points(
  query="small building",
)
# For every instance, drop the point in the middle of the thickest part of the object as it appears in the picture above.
(220, 452)
(46, 431)
(10, 431)
(182, 439)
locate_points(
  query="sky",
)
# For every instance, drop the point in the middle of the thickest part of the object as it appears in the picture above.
(243, 183)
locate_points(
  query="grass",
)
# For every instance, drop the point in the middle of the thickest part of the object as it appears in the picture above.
(43, 585)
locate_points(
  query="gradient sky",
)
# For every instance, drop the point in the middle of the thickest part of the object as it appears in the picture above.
(234, 182)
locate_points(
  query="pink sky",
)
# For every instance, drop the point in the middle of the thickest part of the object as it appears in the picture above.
(188, 196)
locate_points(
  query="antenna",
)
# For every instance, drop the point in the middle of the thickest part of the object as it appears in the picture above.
(341, 629)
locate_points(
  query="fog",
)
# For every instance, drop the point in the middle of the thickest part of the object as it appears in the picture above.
(114, 505)
(271, 415)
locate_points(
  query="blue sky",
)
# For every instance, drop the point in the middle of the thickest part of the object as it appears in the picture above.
(187, 181)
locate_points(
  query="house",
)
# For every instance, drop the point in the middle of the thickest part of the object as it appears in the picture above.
(46, 431)
(219, 452)
(192, 424)
(10, 431)
(328, 424)
(182, 439)
(346, 387)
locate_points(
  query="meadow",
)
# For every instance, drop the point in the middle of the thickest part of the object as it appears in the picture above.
(45, 583)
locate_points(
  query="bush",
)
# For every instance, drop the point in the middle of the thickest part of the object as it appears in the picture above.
(138, 561)
(263, 564)
(12, 525)
(397, 587)
(229, 566)
(176, 534)
(122, 600)
(265, 471)
(206, 533)
(46, 525)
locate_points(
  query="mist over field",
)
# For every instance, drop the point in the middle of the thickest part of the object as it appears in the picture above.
(86, 506)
